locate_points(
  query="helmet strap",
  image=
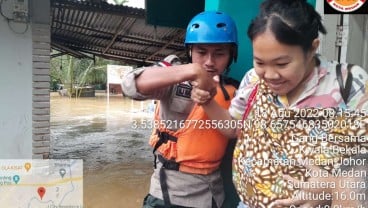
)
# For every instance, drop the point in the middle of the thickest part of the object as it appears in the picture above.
(189, 53)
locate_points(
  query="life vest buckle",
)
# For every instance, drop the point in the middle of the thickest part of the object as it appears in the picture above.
(168, 164)
(165, 137)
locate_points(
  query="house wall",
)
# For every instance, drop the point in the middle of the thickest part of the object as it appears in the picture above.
(357, 48)
(354, 48)
(15, 87)
(24, 82)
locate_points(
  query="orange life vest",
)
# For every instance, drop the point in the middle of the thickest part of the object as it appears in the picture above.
(199, 148)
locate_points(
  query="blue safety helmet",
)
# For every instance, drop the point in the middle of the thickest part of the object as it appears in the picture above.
(212, 27)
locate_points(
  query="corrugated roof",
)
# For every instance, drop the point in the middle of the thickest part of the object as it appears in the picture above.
(112, 32)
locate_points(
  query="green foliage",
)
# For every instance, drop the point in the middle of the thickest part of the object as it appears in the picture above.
(74, 73)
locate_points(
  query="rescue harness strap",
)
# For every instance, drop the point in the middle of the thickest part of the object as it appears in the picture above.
(166, 164)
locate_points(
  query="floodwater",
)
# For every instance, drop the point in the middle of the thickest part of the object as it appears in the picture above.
(116, 156)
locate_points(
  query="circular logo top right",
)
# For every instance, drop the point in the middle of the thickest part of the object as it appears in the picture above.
(346, 5)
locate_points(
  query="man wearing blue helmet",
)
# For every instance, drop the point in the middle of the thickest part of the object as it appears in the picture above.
(187, 147)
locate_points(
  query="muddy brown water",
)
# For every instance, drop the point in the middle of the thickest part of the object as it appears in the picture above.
(116, 157)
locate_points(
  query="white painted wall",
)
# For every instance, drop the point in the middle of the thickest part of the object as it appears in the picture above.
(15, 90)
(355, 45)
(358, 40)
(327, 47)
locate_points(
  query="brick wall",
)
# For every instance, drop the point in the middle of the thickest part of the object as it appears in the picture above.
(41, 146)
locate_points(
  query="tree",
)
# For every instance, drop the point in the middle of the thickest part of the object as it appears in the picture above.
(75, 73)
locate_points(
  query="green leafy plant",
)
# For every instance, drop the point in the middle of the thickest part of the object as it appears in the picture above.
(75, 74)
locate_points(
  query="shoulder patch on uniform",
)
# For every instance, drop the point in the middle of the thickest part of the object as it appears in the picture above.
(183, 90)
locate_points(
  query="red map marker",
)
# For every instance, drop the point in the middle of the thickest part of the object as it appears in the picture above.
(41, 191)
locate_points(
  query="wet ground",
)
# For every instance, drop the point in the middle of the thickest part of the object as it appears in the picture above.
(100, 130)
